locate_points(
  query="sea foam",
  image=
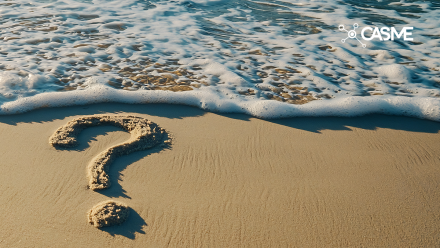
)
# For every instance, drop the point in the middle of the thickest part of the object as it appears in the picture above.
(269, 59)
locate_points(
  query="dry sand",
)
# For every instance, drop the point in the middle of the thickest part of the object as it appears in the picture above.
(226, 181)
(144, 135)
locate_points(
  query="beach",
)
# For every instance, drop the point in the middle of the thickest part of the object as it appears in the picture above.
(227, 180)
(218, 123)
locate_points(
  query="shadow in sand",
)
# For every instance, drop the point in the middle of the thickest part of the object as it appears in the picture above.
(50, 114)
(368, 122)
(134, 224)
(90, 134)
(119, 165)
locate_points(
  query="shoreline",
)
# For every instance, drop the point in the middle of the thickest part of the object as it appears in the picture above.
(212, 101)
(227, 180)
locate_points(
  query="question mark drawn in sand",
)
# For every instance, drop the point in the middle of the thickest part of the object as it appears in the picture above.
(144, 135)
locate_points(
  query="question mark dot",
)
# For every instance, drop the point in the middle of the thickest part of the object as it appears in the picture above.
(108, 213)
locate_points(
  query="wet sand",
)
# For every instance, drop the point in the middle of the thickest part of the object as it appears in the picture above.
(227, 180)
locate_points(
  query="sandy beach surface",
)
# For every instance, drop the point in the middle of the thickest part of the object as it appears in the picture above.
(228, 180)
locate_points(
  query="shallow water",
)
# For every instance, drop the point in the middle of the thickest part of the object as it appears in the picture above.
(265, 58)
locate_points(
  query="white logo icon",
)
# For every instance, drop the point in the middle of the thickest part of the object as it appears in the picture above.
(351, 34)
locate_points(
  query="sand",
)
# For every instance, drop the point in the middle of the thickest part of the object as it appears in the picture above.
(108, 213)
(144, 135)
(227, 180)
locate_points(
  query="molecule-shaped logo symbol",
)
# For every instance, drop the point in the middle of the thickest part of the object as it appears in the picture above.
(351, 34)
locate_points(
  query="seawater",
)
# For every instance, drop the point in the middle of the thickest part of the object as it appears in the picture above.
(269, 59)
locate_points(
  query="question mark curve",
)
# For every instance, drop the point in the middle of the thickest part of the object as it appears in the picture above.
(144, 135)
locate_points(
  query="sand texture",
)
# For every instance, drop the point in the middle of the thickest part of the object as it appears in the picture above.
(108, 213)
(227, 180)
(144, 135)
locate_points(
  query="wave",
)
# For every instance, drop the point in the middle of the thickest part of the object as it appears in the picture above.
(269, 59)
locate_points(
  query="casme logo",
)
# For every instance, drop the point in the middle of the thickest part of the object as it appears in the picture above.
(388, 33)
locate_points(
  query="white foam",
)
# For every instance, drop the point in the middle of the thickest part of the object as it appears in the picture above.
(207, 99)
(231, 45)
(395, 72)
